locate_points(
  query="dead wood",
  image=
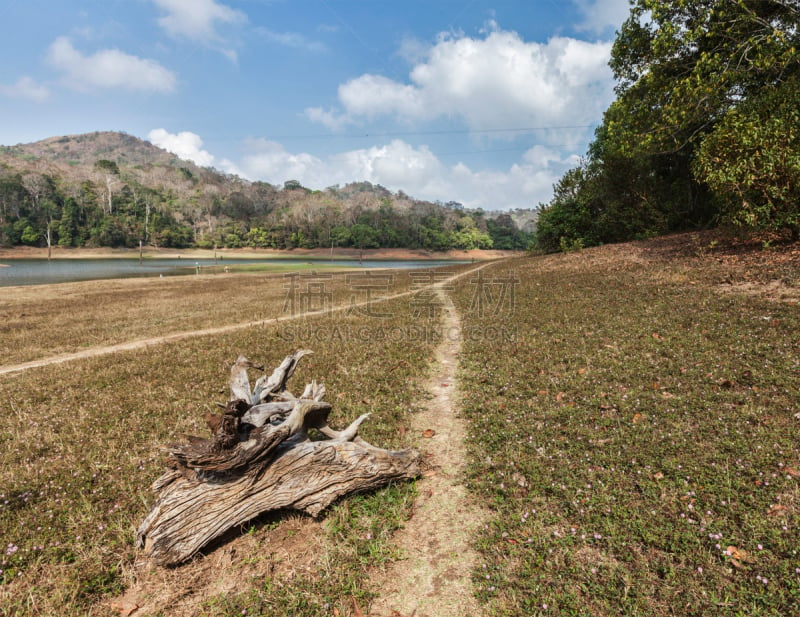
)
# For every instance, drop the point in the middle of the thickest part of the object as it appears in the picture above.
(260, 458)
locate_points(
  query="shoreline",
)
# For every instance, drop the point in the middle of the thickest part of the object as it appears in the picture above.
(320, 254)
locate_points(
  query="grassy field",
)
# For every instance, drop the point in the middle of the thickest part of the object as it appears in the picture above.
(41, 321)
(79, 442)
(638, 441)
(633, 431)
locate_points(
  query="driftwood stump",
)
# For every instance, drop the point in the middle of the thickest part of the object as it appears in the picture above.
(260, 458)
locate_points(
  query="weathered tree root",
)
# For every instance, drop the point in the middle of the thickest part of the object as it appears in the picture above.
(260, 458)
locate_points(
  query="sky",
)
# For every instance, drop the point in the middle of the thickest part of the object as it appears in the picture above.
(482, 102)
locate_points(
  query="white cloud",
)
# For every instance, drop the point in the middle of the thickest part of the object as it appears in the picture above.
(196, 19)
(108, 68)
(602, 15)
(415, 170)
(498, 81)
(290, 39)
(25, 88)
(186, 145)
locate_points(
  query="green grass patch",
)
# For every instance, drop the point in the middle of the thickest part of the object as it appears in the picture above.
(630, 432)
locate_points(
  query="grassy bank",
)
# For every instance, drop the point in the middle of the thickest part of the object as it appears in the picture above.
(41, 321)
(633, 430)
(637, 438)
(80, 446)
(319, 254)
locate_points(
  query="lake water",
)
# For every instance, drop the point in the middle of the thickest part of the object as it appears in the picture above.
(43, 272)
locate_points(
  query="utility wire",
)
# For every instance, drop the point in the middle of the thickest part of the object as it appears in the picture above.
(526, 129)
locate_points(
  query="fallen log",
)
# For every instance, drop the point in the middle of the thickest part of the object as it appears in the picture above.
(261, 458)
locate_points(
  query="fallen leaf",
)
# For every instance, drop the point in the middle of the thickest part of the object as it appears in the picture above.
(401, 430)
(776, 509)
(658, 475)
(793, 472)
(428, 432)
(542, 391)
(429, 473)
(637, 417)
(124, 608)
(444, 385)
(560, 396)
(737, 554)
(356, 609)
(657, 336)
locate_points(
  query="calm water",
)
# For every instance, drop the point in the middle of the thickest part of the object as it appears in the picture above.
(43, 272)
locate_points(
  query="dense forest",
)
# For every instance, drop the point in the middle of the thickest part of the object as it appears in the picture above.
(705, 129)
(113, 189)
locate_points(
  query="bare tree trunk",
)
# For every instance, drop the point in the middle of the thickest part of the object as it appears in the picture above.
(261, 459)
(49, 240)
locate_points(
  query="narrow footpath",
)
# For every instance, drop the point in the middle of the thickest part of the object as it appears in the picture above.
(434, 578)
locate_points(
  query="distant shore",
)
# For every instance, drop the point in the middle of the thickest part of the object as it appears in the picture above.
(27, 252)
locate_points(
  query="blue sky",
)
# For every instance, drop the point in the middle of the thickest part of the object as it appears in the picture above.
(485, 102)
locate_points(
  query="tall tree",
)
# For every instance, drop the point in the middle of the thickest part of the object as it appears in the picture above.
(712, 72)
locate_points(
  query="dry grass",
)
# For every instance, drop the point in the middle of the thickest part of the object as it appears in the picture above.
(79, 447)
(43, 321)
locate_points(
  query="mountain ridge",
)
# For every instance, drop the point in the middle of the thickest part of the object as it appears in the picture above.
(116, 180)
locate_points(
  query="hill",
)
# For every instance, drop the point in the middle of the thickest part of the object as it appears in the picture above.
(114, 189)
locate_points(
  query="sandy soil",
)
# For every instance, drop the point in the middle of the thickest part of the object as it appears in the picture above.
(434, 579)
(27, 252)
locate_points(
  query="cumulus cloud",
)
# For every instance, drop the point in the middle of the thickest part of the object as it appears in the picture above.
(602, 15)
(108, 68)
(25, 88)
(398, 165)
(186, 145)
(496, 81)
(196, 19)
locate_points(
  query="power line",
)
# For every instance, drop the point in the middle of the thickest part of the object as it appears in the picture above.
(525, 129)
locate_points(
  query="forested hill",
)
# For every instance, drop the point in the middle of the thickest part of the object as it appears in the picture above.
(113, 189)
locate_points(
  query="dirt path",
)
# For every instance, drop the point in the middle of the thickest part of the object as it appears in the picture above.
(177, 336)
(434, 580)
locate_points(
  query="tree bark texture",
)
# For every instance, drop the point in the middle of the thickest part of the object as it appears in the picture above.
(260, 458)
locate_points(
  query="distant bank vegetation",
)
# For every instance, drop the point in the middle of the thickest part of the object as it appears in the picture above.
(112, 189)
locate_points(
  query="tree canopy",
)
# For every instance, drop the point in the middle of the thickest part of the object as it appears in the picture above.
(704, 128)
(69, 192)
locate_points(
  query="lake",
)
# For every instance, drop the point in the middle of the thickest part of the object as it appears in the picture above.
(44, 272)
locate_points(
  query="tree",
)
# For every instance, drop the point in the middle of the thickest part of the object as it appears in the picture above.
(41, 189)
(705, 123)
(752, 160)
(696, 80)
(292, 185)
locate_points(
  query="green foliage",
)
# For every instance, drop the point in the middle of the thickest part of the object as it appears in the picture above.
(30, 235)
(705, 124)
(108, 166)
(752, 159)
(176, 204)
